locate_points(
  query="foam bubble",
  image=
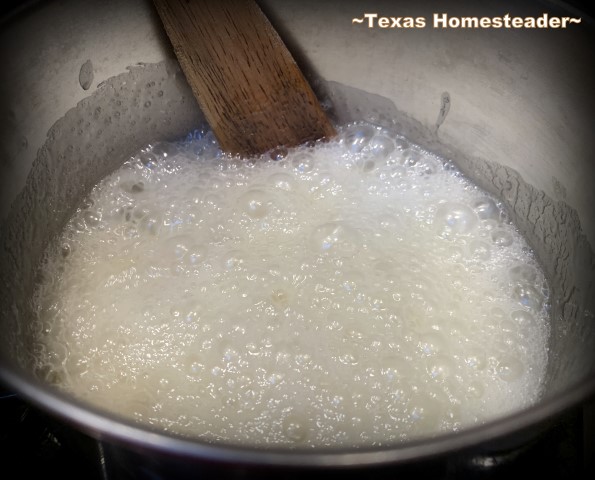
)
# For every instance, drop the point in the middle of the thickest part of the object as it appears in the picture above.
(282, 181)
(455, 217)
(510, 369)
(295, 429)
(381, 146)
(255, 203)
(486, 209)
(357, 137)
(336, 238)
(303, 162)
(528, 296)
(501, 237)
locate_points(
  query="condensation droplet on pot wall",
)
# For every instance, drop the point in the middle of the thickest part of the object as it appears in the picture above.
(86, 75)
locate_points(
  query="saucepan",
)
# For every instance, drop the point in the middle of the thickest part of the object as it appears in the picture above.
(86, 83)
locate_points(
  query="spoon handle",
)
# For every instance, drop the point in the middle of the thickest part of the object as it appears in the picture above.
(249, 87)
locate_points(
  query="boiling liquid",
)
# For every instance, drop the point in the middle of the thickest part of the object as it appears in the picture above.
(360, 292)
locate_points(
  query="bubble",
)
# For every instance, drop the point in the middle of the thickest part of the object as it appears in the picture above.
(398, 173)
(176, 311)
(137, 187)
(284, 357)
(255, 203)
(440, 367)
(336, 238)
(475, 389)
(253, 349)
(303, 359)
(396, 368)
(65, 249)
(275, 378)
(348, 358)
(454, 253)
(177, 247)
(357, 137)
(303, 162)
(234, 260)
(148, 160)
(510, 369)
(524, 274)
(431, 343)
(401, 144)
(366, 165)
(193, 313)
(196, 254)
(381, 146)
(194, 195)
(282, 181)
(497, 313)
(194, 364)
(430, 166)
(280, 297)
(352, 333)
(151, 224)
(480, 250)
(131, 185)
(475, 358)
(79, 225)
(528, 297)
(424, 412)
(92, 218)
(164, 149)
(216, 202)
(507, 325)
(526, 323)
(502, 238)
(350, 280)
(395, 408)
(278, 154)
(295, 429)
(411, 158)
(230, 354)
(521, 317)
(390, 223)
(486, 209)
(455, 217)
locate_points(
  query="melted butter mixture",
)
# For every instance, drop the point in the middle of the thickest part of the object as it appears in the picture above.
(359, 292)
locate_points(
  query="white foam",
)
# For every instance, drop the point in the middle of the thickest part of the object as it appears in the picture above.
(361, 292)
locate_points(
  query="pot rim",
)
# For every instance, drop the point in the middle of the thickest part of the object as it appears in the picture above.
(105, 426)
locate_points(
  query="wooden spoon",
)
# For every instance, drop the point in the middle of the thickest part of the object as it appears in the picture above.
(246, 82)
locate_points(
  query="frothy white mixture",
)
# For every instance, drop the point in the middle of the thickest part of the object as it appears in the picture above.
(359, 292)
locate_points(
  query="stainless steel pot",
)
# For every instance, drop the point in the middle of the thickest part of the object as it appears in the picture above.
(86, 83)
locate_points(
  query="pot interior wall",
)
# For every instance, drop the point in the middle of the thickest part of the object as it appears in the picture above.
(153, 102)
